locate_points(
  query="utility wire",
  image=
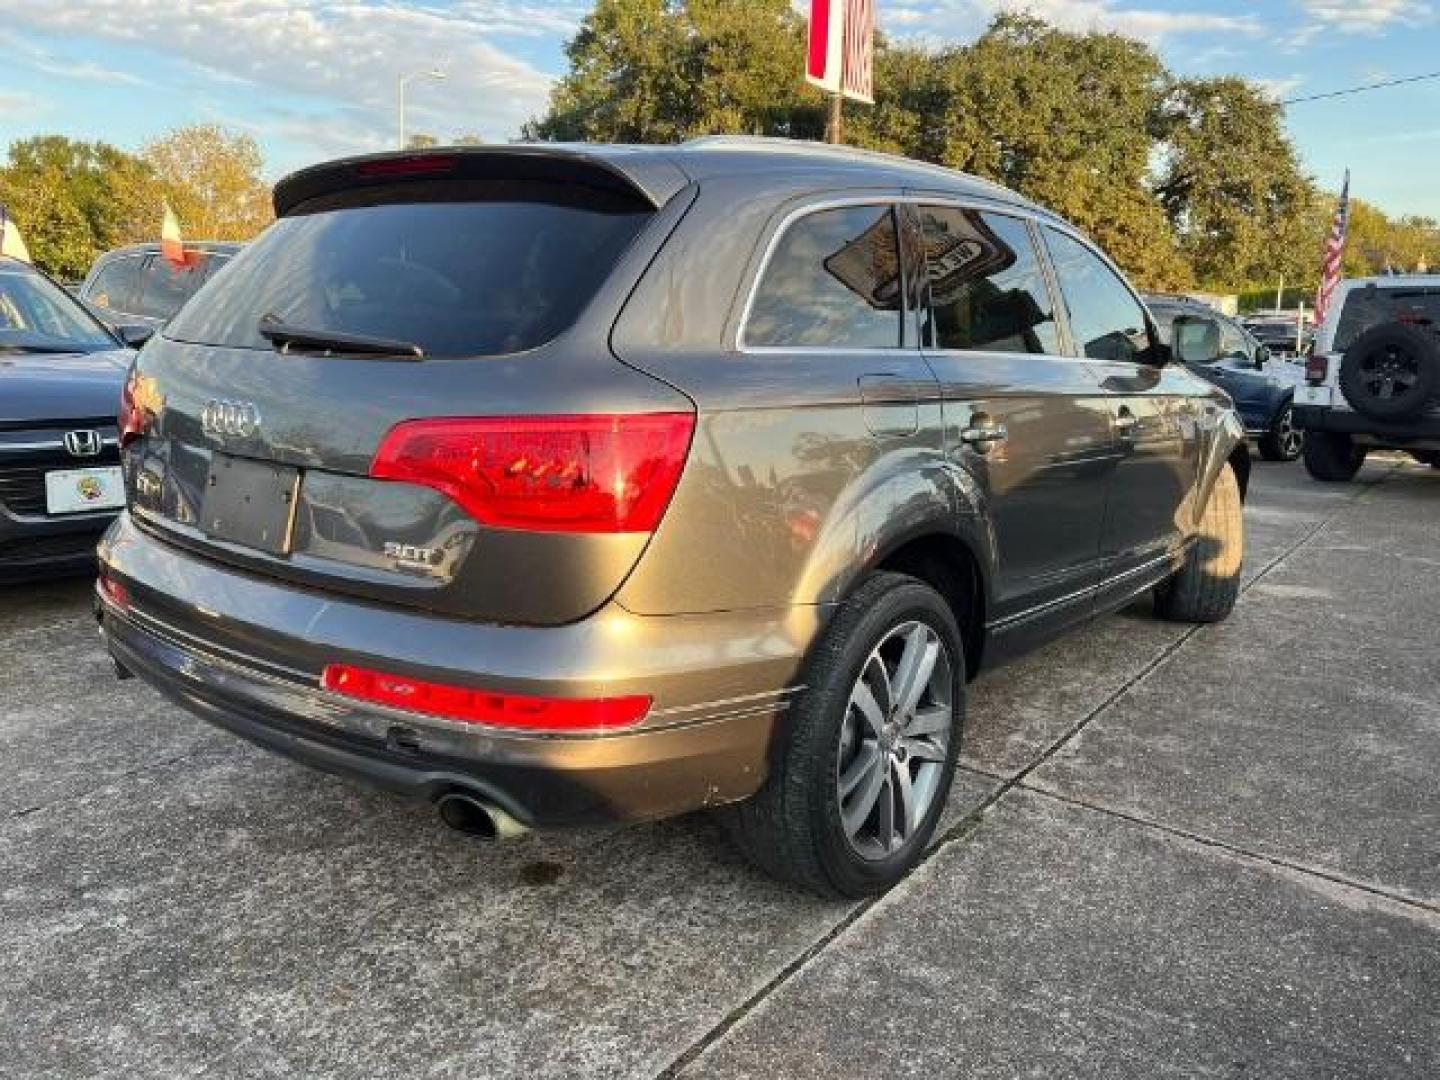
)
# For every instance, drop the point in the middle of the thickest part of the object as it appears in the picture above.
(1362, 89)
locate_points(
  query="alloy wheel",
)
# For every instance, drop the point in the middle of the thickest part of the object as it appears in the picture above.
(895, 740)
(1391, 374)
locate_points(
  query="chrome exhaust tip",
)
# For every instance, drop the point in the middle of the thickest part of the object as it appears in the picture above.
(476, 817)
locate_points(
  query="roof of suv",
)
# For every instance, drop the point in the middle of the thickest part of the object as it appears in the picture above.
(149, 247)
(658, 172)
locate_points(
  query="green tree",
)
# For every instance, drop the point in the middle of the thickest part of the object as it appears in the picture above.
(1231, 184)
(652, 71)
(77, 199)
(213, 180)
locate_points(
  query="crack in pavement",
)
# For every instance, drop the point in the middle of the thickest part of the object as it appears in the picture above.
(1425, 908)
(971, 821)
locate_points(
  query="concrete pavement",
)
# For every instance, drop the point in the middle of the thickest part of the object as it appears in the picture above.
(1171, 851)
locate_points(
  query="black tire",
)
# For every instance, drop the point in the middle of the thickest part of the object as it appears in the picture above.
(1206, 587)
(1332, 457)
(1284, 441)
(792, 827)
(1391, 371)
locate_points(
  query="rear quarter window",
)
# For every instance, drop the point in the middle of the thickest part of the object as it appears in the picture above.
(833, 280)
(456, 277)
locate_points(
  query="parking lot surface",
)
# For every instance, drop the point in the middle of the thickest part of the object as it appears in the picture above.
(1171, 851)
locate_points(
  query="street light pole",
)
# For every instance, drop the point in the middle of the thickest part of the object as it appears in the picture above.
(400, 81)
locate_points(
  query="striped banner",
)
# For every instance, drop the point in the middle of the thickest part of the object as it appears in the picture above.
(858, 83)
(1332, 262)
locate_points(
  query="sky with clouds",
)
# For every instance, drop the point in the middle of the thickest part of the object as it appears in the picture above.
(312, 79)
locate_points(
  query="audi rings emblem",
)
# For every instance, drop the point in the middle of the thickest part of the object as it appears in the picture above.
(238, 418)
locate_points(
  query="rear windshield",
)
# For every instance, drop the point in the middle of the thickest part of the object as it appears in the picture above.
(455, 278)
(1371, 305)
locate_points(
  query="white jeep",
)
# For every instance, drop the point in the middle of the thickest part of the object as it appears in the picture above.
(1373, 380)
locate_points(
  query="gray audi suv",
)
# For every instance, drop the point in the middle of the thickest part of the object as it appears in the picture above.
(562, 484)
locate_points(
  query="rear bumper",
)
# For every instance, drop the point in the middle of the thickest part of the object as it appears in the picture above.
(1423, 431)
(244, 652)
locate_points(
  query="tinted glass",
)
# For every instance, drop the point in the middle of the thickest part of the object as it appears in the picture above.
(165, 286)
(37, 314)
(834, 279)
(455, 278)
(116, 285)
(987, 290)
(1106, 319)
(1369, 306)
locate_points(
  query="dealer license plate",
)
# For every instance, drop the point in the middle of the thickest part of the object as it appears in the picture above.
(74, 491)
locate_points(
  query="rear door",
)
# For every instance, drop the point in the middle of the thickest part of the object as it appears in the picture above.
(337, 458)
(1152, 411)
(115, 287)
(1027, 420)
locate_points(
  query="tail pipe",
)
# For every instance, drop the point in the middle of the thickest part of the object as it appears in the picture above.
(477, 817)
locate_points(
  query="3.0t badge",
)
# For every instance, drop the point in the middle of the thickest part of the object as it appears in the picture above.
(238, 418)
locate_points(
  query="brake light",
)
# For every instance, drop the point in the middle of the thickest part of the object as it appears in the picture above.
(483, 706)
(132, 420)
(585, 474)
(415, 165)
(1317, 369)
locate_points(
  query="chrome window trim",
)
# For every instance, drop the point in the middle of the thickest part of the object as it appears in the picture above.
(1035, 217)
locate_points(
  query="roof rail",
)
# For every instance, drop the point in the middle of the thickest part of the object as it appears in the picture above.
(820, 149)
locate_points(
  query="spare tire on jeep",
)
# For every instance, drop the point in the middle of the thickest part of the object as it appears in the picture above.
(1391, 371)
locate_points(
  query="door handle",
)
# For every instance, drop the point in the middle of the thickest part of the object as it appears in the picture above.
(984, 435)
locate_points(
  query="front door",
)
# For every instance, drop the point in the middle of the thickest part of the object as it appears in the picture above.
(1026, 421)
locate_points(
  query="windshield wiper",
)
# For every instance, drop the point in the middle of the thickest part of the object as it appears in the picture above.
(287, 338)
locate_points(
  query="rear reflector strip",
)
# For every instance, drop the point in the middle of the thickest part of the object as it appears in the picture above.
(471, 706)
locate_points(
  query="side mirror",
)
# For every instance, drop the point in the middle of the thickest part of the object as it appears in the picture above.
(1262, 356)
(134, 334)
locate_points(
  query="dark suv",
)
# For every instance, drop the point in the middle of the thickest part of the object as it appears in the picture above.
(1222, 351)
(138, 286)
(563, 484)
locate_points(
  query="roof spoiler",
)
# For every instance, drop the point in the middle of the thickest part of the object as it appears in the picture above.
(643, 174)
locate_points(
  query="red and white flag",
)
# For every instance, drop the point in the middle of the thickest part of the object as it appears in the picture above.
(1331, 263)
(172, 246)
(839, 55)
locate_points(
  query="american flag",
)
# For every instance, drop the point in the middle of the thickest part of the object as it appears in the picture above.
(1334, 253)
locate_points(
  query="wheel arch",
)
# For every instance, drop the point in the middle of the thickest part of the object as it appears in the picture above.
(948, 563)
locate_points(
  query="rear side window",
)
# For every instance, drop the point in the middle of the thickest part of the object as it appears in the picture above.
(165, 286)
(457, 278)
(1369, 306)
(833, 280)
(987, 291)
(116, 286)
(1106, 319)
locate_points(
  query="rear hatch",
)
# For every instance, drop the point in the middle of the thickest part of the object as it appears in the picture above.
(403, 390)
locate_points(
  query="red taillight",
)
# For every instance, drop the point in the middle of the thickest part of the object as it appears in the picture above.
(585, 474)
(1317, 369)
(416, 165)
(116, 593)
(132, 420)
(484, 706)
